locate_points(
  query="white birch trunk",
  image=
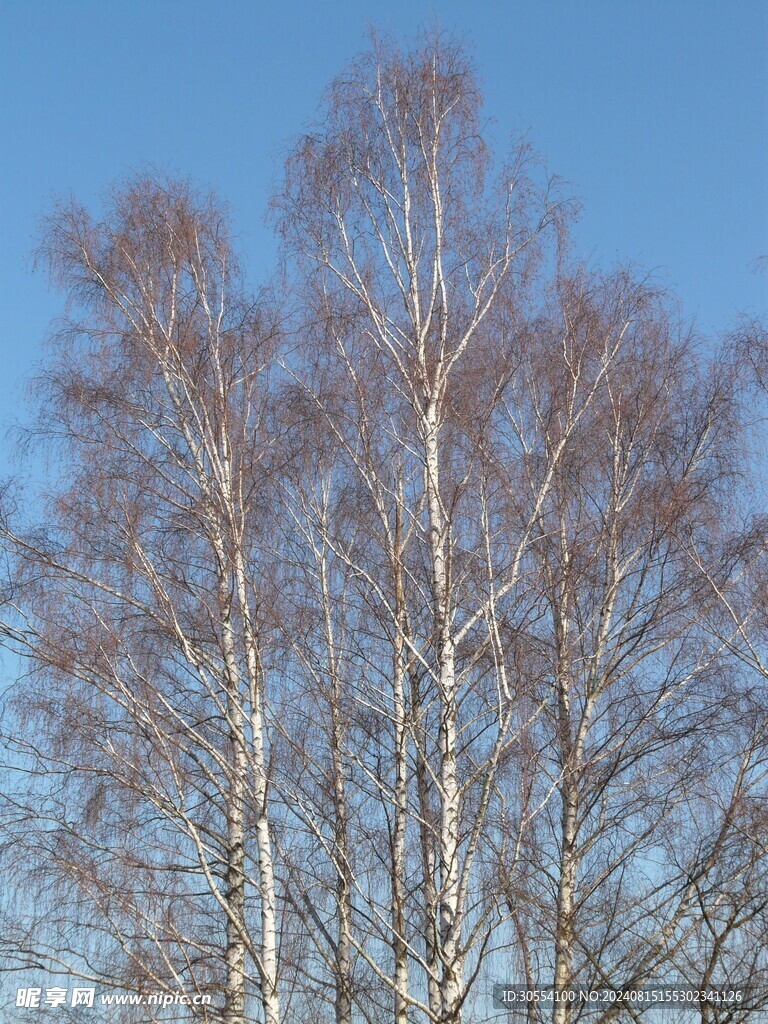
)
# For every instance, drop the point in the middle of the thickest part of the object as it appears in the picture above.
(399, 948)
(449, 924)
(268, 977)
(234, 995)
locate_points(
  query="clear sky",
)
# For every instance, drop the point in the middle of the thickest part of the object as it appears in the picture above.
(655, 111)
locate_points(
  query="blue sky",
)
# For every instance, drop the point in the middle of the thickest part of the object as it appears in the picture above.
(655, 112)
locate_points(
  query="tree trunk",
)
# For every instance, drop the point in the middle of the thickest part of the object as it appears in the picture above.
(400, 654)
(449, 916)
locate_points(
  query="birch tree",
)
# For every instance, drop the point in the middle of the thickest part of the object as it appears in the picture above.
(411, 260)
(139, 601)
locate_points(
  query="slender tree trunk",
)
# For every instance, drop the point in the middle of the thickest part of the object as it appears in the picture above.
(565, 894)
(400, 655)
(235, 888)
(343, 972)
(234, 1005)
(343, 1001)
(269, 992)
(449, 916)
(569, 796)
(268, 978)
(427, 846)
